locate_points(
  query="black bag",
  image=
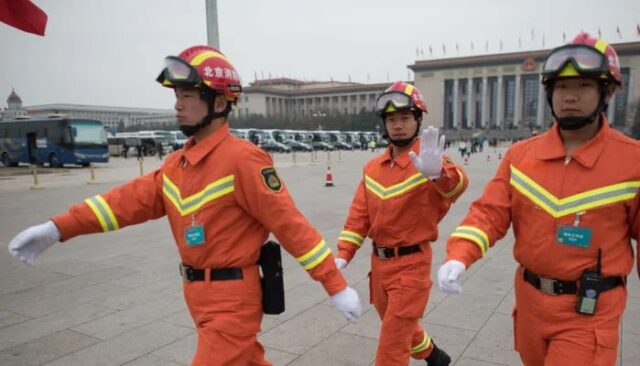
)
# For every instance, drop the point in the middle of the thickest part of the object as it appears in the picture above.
(272, 281)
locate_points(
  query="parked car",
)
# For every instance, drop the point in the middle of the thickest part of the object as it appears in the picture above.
(274, 146)
(298, 146)
(321, 145)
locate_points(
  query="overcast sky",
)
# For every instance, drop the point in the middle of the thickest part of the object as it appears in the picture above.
(109, 52)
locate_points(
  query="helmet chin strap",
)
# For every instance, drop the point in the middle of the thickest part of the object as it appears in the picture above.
(576, 122)
(208, 96)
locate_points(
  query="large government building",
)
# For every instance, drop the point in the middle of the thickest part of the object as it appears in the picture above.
(502, 93)
(496, 95)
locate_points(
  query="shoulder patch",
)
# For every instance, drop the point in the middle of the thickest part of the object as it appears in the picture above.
(270, 179)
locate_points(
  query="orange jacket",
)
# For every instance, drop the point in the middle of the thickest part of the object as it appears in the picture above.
(538, 189)
(221, 183)
(395, 205)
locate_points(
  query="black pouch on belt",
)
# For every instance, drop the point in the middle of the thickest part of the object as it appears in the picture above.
(272, 281)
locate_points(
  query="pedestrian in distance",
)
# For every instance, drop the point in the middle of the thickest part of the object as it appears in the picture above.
(571, 195)
(222, 197)
(403, 195)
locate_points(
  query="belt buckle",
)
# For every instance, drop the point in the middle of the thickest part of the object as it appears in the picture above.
(185, 272)
(384, 253)
(546, 286)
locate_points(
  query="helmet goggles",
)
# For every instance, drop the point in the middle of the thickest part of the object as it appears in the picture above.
(397, 100)
(178, 72)
(587, 61)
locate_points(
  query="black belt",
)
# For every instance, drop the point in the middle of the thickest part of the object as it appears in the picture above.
(190, 274)
(556, 287)
(390, 252)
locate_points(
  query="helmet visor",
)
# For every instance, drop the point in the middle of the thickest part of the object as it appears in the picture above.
(177, 72)
(585, 59)
(396, 99)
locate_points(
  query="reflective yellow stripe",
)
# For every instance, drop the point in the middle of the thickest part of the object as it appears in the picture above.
(351, 236)
(579, 202)
(202, 57)
(422, 346)
(408, 90)
(601, 46)
(456, 189)
(316, 255)
(192, 203)
(395, 190)
(477, 236)
(103, 213)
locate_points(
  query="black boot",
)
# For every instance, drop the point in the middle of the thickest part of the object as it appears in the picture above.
(438, 357)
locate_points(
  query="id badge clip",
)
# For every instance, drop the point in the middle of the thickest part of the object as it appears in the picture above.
(575, 235)
(194, 234)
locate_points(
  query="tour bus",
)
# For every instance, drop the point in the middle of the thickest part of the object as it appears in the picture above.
(56, 140)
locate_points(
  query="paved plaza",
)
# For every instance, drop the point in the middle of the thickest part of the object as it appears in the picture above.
(116, 299)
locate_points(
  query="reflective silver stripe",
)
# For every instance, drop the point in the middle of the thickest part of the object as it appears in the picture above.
(313, 257)
(102, 213)
(351, 236)
(474, 234)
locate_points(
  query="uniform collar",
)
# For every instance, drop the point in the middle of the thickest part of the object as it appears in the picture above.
(403, 160)
(587, 154)
(194, 152)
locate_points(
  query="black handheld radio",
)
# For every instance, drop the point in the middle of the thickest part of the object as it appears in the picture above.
(272, 281)
(591, 284)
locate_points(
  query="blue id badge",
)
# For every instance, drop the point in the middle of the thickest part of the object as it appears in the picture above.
(194, 235)
(574, 236)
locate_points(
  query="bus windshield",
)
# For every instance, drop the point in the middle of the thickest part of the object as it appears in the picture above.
(88, 132)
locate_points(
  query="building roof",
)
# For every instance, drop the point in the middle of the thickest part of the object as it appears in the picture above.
(95, 108)
(342, 87)
(13, 97)
(623, 49)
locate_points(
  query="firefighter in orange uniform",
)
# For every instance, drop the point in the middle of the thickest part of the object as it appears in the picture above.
(400, 201)
(222, 197)
(571, 194)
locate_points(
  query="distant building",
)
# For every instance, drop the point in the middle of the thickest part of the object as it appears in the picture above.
(290, 98)
(501, 94)
(15, 109)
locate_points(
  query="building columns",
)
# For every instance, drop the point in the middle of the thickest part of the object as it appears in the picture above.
(470, 109)
(542, 101)
(500, 106)
(517, 104)
(484, 103)
(455, 124)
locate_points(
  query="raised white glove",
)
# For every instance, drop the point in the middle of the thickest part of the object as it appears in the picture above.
(449, 276)
(27, 245)
(348, 302)
(341, 263)
(429, 163)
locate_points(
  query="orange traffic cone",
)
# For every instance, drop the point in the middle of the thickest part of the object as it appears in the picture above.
(328, 182)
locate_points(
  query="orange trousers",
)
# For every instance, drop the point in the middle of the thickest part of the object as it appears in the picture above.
(227, 315)
(399, 289)
(549, 332)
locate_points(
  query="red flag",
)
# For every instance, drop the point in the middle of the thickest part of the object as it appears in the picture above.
(24, 15)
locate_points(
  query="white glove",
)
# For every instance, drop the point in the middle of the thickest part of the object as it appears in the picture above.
(449, 276)
(341, 263)
(348, 302)
(429, 163)
(27, 245)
